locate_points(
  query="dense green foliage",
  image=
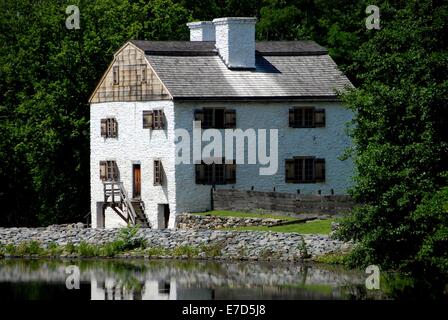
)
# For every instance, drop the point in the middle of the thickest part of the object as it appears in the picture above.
(48, 72)
(401, 142)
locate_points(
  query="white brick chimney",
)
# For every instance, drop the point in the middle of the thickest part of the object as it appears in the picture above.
(202, 31)
(235, 41)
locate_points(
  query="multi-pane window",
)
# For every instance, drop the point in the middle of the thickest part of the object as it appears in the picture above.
(109, 171)
(306, 117)
(305, 170)
(217, 118)
(116, 74)
(153, 119)
(158, 173)
(216, 173)
(109, 128)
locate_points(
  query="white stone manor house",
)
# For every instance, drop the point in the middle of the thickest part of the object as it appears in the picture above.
(227, 80)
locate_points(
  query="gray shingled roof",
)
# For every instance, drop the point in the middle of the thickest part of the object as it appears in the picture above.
(284, 70)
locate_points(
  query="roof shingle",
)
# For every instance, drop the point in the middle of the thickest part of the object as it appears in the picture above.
(284, 70)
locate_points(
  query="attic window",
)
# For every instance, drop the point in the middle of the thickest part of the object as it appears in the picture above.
(216, 118)
(153, 119)
(306, 117)
(116, 75)
(143, 74)
(109, 128)
(304, 170)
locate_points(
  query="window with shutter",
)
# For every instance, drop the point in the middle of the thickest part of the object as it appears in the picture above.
(109, 128)
(304, 170)
(158, 173)
(319, 170)
(217, 118)
(216, 173)
(153, 119)
(109, 171)
(306, 117)
(116, 75)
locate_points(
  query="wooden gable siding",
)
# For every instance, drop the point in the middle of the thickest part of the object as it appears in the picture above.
(130, 87)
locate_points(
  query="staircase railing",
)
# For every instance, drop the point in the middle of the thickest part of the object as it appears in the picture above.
(115, 189)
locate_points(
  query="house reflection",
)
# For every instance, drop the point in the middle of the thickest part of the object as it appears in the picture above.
(111, 288)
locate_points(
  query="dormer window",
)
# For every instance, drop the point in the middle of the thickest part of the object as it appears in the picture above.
(109, 128)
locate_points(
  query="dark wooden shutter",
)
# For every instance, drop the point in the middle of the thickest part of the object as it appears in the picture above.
(319, 170)
(199, 115)
(230, 173)
(290, 174)
(148, 117)
(229, 119)
(103, 170)
(114, 170)
(292, 122)
(200, 173)
(114, 124)
(319, 117)
(158, 172)
(104, 128)
(158, 122)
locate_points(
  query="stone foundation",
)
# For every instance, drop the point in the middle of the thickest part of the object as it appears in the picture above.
(192, 221)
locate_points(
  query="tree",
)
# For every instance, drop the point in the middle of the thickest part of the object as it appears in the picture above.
(401, 141)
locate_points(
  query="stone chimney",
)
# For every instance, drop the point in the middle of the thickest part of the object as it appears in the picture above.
(235, 41)
(202, 31)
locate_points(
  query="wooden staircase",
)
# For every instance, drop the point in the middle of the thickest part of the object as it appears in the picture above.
(132, 212)
(139, 209)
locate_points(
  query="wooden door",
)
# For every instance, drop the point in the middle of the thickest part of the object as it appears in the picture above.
(137, 182)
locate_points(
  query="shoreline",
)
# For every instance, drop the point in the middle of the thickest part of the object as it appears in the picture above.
(75, 241)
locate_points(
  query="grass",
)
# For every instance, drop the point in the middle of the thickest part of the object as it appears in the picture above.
(312, 227)
(240, 214)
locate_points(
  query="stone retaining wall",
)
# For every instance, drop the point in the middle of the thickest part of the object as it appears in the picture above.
(192, 221)
(241, 245)
(230, 199)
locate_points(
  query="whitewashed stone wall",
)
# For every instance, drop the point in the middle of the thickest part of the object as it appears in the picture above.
(328, 142)
(133, 145)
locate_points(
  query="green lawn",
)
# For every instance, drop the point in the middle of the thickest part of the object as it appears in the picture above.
(314, 226)
(240, 214)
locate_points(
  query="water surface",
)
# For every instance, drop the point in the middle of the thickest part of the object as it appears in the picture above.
(22, 279)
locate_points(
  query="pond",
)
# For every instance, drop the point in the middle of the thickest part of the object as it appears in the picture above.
(22, 279)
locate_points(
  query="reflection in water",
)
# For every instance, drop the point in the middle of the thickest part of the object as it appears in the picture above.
(178, 280)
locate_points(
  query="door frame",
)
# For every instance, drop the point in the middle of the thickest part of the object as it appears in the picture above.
(134, 191)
